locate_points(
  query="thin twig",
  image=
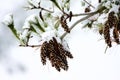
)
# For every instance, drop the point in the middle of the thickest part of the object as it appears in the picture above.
(47, 10)
(84, 18)
(29, 45)
(106, 49)
(89, 4)
(43, 9)
(81, 14)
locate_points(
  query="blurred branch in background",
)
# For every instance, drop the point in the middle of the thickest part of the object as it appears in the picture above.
(7, 40)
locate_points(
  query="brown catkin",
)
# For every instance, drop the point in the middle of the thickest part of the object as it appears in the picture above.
(107, 34)
(111, 19)
(54, 48)
(115, 22)
(57, 67)
(64, 24)
(51, 58)
(66, 53)
(119, 18)
(116, 35)
(43, 53)
(118, 25)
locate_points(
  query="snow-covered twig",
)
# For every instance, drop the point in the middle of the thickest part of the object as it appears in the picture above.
(33, 6)
(29, 45)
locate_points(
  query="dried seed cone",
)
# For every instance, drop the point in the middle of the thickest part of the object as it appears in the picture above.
(107, 34)
(116, 35)
(56, 54)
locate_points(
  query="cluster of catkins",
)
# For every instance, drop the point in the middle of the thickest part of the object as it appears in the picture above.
(112, 24)
(56, 54)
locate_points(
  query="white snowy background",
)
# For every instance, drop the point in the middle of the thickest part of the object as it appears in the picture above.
(89, 62)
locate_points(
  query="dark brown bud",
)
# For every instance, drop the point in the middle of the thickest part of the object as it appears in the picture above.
(87, 9)
(70, 15)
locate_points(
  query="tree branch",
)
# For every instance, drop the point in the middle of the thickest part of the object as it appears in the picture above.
(81, 14)
(43, 9)
(89, 4)
(82, 19)
(29, 45)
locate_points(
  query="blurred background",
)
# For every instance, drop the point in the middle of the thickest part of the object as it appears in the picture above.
(89, 63)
